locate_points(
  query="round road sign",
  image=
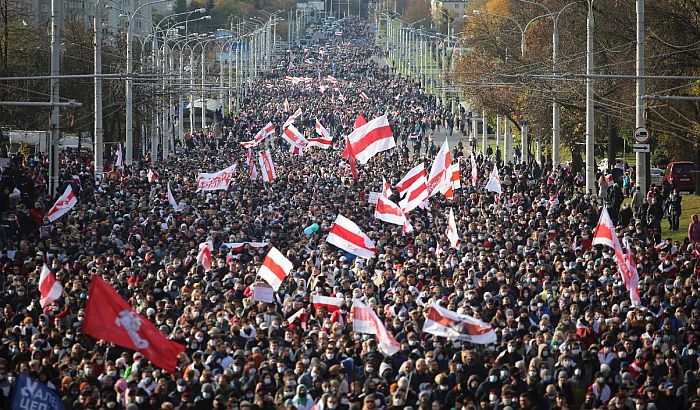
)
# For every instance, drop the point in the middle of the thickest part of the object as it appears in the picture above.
(641, 135)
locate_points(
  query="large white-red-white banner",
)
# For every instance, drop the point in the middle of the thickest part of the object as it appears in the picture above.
(215, 180)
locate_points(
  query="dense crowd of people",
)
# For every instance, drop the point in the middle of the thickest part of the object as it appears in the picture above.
(568, 335)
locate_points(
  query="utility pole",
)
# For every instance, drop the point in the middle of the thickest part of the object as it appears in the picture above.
(498, 131)
(640, 157)
(524, 149)
(556, 108)
(590, 119)
(98, 139)
(56, 22)
(484, 131)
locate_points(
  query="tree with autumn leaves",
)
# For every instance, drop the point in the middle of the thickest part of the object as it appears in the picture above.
(494, 75)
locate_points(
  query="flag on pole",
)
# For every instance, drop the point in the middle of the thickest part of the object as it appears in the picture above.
(331, 304)
(452, 233)
(205, 255)
(119, 158)
(63, 204)
(275, 268)
(331, 80)
(475, 175)
(171, 199)
(386, 188)
(110, 318)
(292, 118)
(439, 172)
(49, 287)
(414, 188)
(286, 105)
(605, 235)
(371, 138)
(267, 167)
(494, 182)
(365, 320)
(359, 121)
(252, 170)
(388, 211)
(346, 235)
(364, 96)
(451, 325)
(152, 177)
(295, 138)
(350, 155)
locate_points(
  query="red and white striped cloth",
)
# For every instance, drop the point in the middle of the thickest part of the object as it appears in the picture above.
(453, 183)
(605, 235)
(331, 79)
(63, 204)
(266, 131)
(324, 139)
(371, 138)
(438, 251)
(322, 88)
(446, 323)
(252, 171)
(275, 268)
(205, 255)
(386, 188)
(267, 167)
(365, 320)
(475, 173)
(494, 182)
(50, 288)
(452, 233)
(331, 304)
(295, 138)
(152, 176)
(414, 188)
(346, 235)
(359, 121)
(239, 246)
(286, 105)
(364, 96)
(439, 172)
(292, 118)
(388, 211)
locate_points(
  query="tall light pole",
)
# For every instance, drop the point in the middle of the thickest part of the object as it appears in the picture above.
(590, 119)
(556, 107)
(56, 23)
(129, 139)
(640, 157)
(98, 137)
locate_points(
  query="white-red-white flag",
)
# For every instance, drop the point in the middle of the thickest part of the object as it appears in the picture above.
(453, 183)
(494, 182)
(268, 129)
(438, 251)
(252, 170)
(322, 88)
(152, 176)
(292, 118)
(205, 255)
(171, 199)
(267, 167)
(331, 304)
(331, 80)
(414, 188)
(295, 138)
(364, 96)
(440, 171)
(630, 276)
(475, 175)
(63, 204)
(452, 233)
(346, 235)
(386, 188)
(119, 157)
(321, 130)
(275, 268)
(365, 320)
(451, 325)
(286, 105)
(371, 138)
(387, 211)
(605, 235)
(49, 287)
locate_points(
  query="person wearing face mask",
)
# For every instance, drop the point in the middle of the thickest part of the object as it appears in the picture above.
(491, 384)
(601, 391)
(206, 398)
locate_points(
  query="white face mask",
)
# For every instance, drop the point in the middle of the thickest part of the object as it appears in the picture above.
(493, 398)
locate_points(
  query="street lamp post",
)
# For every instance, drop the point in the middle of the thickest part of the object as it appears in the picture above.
(590, 119)
(98, 137)
(129, 140)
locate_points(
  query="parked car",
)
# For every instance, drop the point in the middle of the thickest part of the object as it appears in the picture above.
(682, 175)
(657, 176)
